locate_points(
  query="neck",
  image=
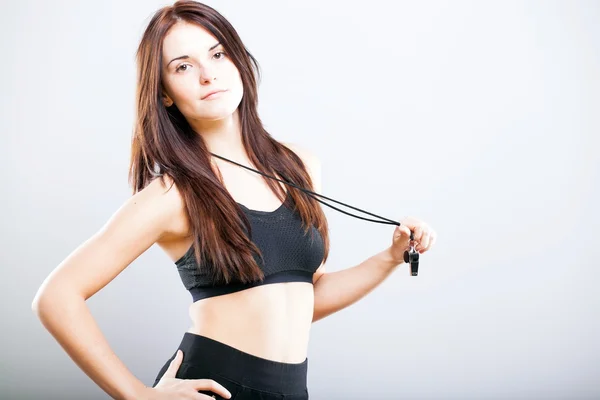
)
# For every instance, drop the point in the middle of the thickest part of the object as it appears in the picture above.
(222, 137)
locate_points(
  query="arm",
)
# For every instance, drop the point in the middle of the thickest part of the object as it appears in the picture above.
(340, 289)
(337, 290)
(60, 301)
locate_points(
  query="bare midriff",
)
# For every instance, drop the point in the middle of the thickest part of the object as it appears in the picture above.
(270, 321)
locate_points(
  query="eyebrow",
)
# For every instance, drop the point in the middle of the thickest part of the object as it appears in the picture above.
(186, 56)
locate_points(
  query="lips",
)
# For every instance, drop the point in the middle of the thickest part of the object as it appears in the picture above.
(213, 92)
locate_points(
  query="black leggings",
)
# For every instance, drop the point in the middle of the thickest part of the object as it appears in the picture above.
(247, 377)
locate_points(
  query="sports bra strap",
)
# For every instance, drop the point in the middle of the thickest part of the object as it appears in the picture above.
(311, 193)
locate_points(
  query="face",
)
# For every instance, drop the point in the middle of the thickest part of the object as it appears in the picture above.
(195, 65)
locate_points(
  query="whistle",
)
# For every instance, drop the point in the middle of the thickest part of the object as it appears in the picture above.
(412, 256)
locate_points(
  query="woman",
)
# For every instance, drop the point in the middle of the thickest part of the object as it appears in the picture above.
(250, 250)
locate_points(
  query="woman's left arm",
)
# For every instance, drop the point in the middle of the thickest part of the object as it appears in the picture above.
(337, 290)
(340, 289)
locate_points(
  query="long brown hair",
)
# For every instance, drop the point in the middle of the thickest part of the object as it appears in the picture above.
(164, 144)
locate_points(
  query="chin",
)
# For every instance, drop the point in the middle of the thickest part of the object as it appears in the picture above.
(215, 116)
(217, 112)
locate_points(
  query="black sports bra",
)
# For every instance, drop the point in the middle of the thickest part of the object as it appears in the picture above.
(290, 256)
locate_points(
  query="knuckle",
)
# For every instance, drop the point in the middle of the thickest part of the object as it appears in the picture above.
(207, 384)
(204, 383)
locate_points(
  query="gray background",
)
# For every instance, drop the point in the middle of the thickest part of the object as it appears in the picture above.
(480, 118)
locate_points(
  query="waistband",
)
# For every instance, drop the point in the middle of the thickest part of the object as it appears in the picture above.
(243, 368)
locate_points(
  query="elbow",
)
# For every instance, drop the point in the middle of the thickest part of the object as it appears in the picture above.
(40, 303)
(38, 299)
(49, 299)
(43, 297)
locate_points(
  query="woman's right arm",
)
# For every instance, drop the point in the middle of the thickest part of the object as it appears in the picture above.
(145, 218)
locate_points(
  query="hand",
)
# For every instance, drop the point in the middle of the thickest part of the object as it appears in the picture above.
(424, 238)
(171, 388)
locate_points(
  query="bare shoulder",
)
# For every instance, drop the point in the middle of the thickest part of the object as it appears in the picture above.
(310, 160)
(142, 220)
(165, 196)
(307, 155)
(160, 200)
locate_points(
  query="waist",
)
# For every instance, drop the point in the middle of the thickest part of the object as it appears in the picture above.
(271, 321)
(208, 358)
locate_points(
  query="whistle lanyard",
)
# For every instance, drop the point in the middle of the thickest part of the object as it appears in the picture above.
(411, 256)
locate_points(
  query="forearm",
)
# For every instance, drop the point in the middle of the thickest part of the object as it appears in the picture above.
(70, 322)
(337, 290)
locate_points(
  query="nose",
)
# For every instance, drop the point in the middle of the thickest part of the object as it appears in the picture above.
(207, 75)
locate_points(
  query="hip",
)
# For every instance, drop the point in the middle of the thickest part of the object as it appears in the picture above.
(245, 375)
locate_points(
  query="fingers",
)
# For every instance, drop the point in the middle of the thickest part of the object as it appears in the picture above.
(174, 365)
(432, 239)
(424, 242)
(403, 230)
(205, 397)
(196, 384)
(423, 236)
(418, 233)
(427, 240)
(209, 384)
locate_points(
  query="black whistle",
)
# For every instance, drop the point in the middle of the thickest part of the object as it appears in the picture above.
(412, 256)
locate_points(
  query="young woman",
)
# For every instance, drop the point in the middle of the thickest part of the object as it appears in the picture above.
(250, 249)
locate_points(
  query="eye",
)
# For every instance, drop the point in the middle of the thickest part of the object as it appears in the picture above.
(179, 67)
(222, 53)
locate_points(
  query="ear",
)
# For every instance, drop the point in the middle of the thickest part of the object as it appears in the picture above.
(167, 101)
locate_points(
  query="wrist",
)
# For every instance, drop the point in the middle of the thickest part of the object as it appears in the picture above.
(140, 393)
(390, 259)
